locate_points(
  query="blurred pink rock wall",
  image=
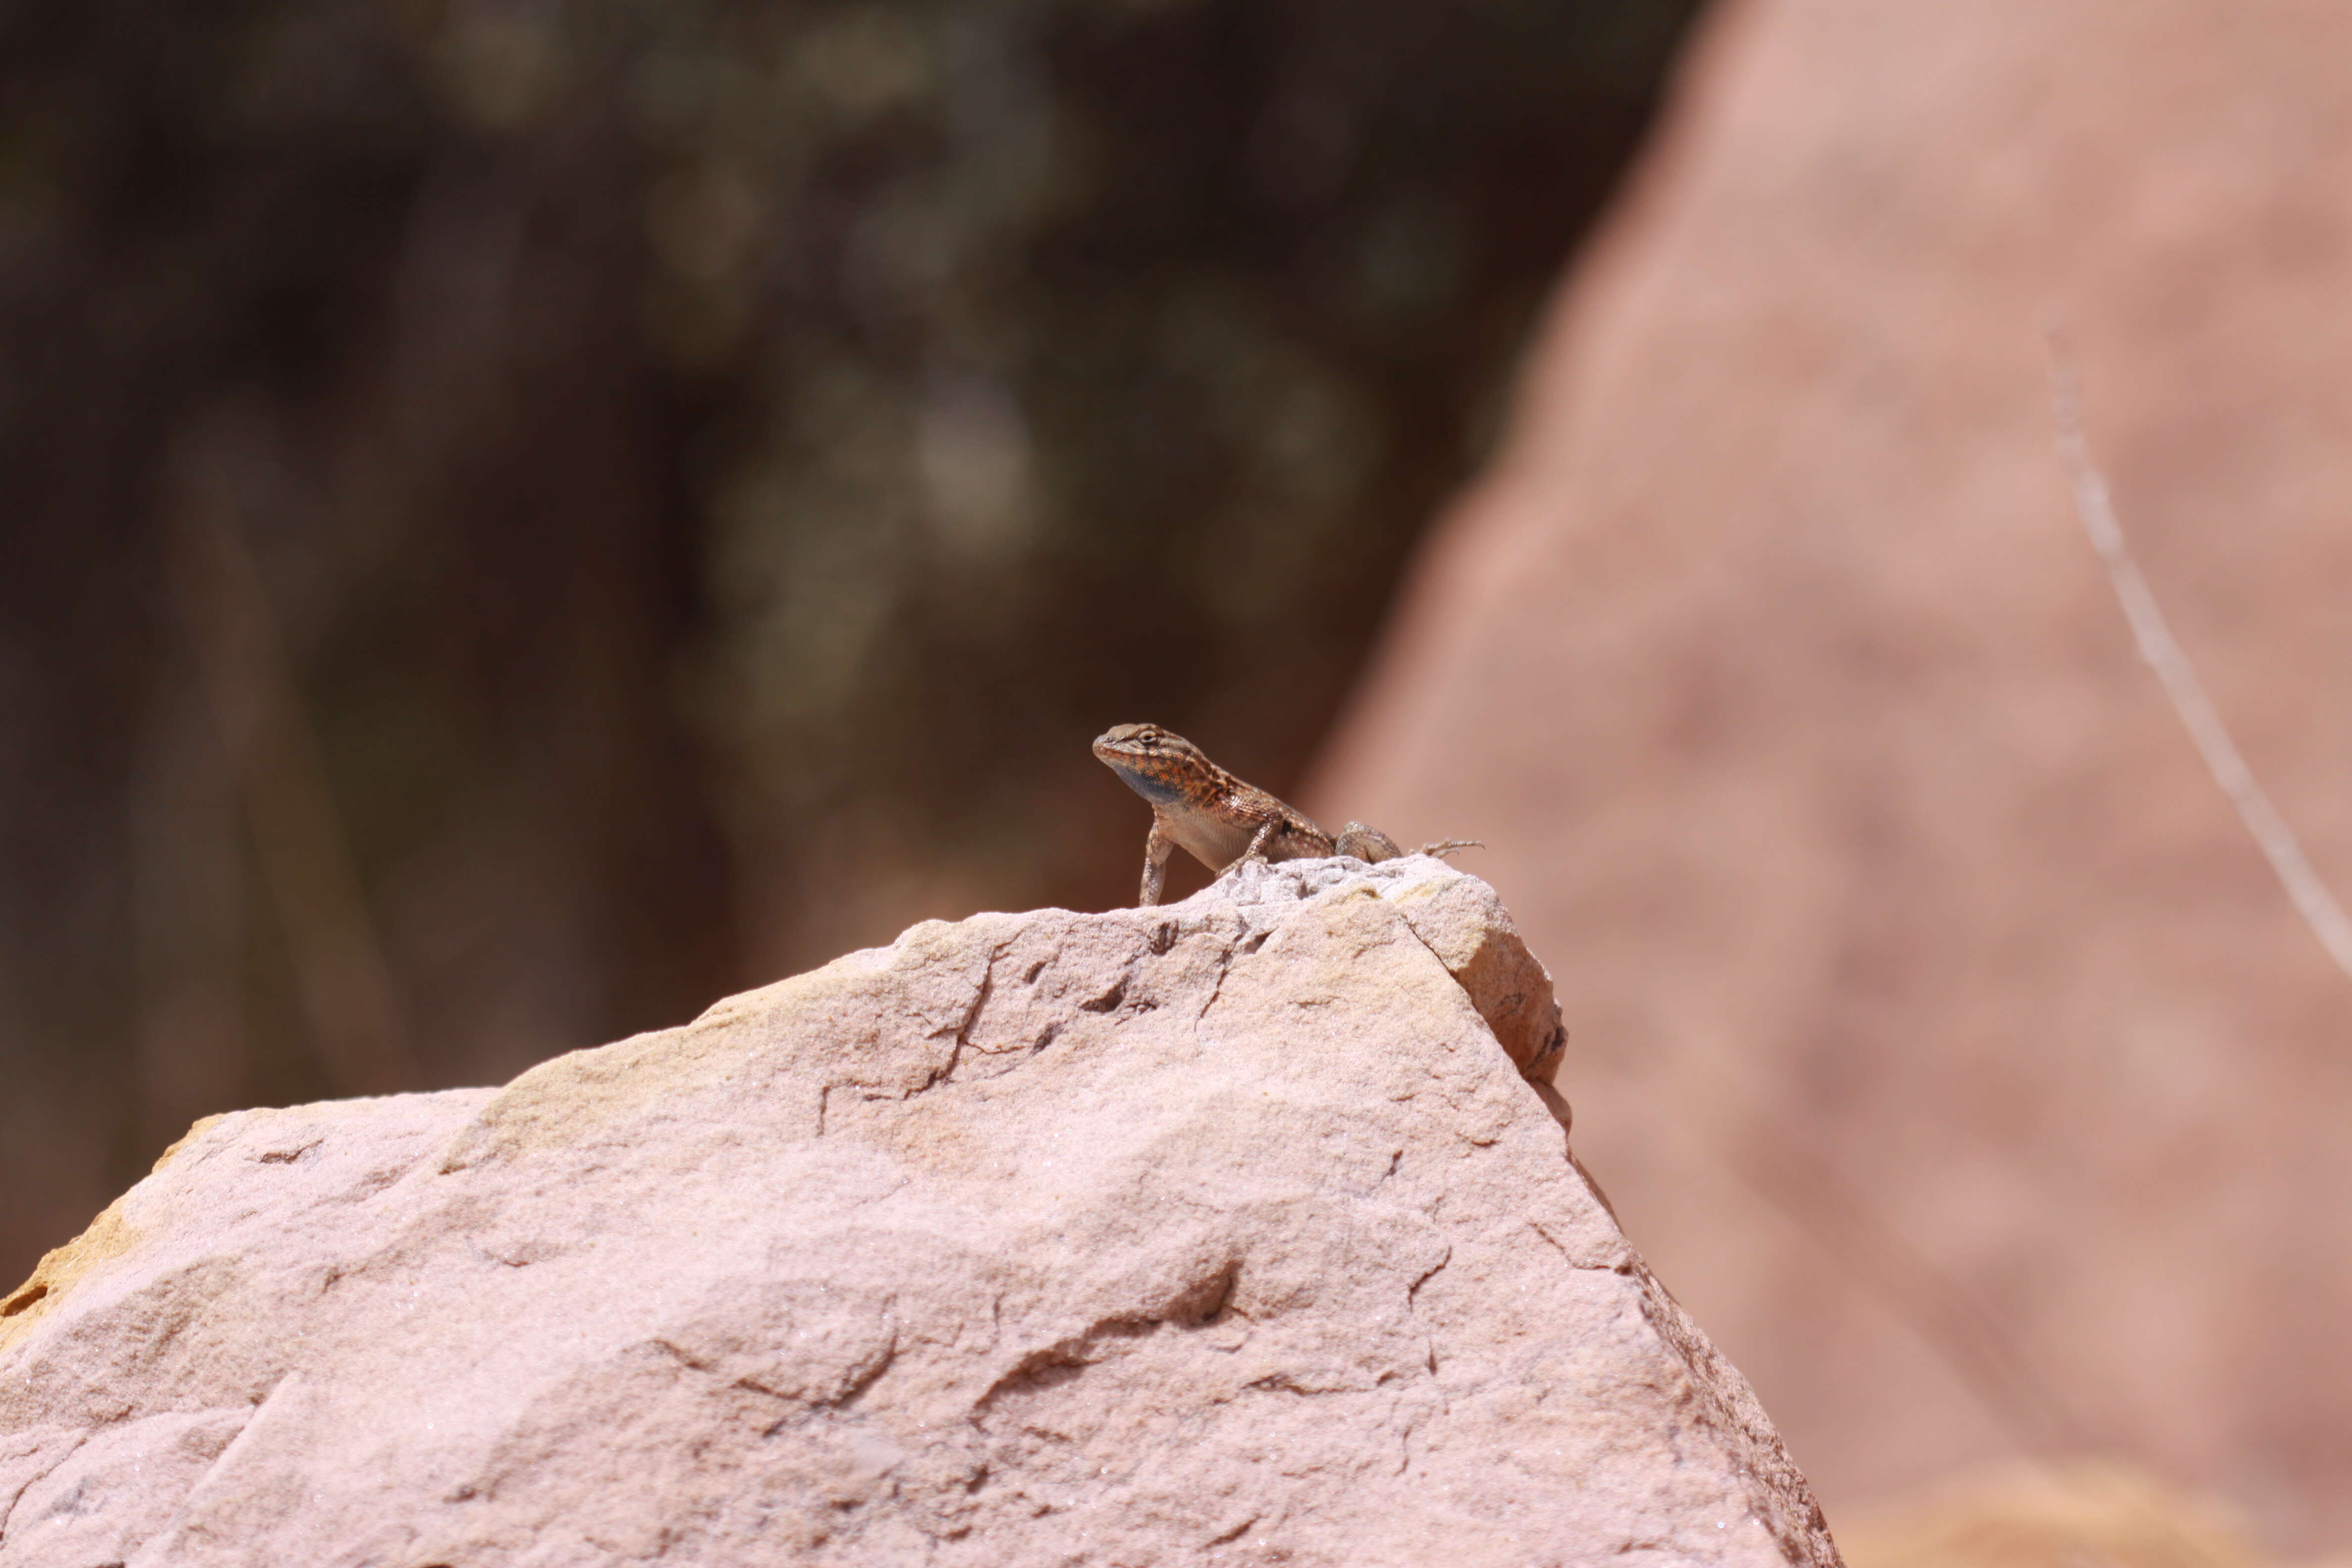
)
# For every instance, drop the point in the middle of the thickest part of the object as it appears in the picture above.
(1936, 1028)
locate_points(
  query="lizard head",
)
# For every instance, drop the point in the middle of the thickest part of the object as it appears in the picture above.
(1158, 765)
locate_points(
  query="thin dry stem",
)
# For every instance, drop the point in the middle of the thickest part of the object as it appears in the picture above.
(300, 844)
(2093, 504)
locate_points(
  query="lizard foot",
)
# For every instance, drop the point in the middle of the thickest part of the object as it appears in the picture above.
(1446, 846)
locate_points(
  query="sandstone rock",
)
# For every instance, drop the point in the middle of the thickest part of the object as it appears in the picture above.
(1222, 1231)
(1940, 1030)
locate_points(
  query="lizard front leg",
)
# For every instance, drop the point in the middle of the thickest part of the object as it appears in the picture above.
(1256, 851)
(1155, 850)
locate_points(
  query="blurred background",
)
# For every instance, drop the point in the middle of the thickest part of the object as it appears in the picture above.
(523, 517)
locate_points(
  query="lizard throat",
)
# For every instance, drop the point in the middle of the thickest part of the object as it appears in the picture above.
(1158, 791)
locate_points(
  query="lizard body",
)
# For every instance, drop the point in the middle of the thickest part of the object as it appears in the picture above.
(1218, 819)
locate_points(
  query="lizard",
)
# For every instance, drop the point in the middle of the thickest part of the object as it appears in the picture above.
(1218, 819)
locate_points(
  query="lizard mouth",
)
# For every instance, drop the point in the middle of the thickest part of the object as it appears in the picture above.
(1125, 741)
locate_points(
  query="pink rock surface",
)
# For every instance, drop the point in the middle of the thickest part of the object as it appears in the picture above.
(1939, 1028)
(1228, 1231)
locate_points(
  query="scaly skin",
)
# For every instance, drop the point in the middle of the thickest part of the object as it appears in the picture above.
(1218, 819)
